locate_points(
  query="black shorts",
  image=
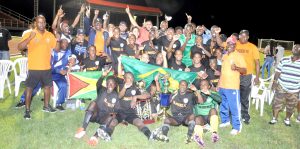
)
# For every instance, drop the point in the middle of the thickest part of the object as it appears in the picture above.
(101, 118)
(36, 76)
(181, 120)
(128, 117)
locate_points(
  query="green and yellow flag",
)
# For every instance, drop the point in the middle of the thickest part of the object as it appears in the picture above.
(147, 72)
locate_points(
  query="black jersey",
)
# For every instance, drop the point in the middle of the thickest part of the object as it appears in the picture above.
(183, 104)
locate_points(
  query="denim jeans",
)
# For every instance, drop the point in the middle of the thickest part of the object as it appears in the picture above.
(4, 55)
(268, 63)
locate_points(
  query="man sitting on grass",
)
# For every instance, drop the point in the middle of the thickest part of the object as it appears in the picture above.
(206, 113)
(102, 110)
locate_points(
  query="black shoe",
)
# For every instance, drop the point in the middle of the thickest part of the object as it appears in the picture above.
(27, 115)
(188, 140)
(60, 108)
(20, 104)
(49, 109)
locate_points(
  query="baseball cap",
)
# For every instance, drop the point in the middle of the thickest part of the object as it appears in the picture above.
(80, 31)
(231, 39)
(98, 20)
(72, 56)
(123, 23)
(244, 31)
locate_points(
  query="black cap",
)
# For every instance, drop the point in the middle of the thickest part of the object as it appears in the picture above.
(80, 31)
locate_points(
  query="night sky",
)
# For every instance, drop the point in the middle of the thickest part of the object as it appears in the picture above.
(277, 20)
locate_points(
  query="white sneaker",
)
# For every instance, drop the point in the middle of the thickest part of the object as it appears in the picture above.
(298, 119)
(80, 133)
(234, 132)
(224, 124)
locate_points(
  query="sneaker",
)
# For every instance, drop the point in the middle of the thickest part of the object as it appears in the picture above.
(103, 135)
(80, 133)
(93, 141)
(298, 119)
(287, 122)
(20, 104)
(188, 140)
(215, 137)
(224, 124)
(60, 108)
(199, 141)
(49, 109)
(273, 121)
(247, 122)
(27, 115)
(234, 132)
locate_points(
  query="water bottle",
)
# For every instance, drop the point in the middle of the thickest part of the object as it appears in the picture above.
(78, 103)
(82, 106)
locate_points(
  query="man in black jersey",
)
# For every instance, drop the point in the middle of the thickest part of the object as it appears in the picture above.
(116, 44)
(128, 95)
(182, 104)
(176, 63)
(102, 110)
(197, 67)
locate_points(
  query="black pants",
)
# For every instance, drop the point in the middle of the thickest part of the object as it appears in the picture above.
(245, 89)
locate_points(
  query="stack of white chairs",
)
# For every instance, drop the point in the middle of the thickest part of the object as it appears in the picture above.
(261, 93)
(20, 75)
(5, 68)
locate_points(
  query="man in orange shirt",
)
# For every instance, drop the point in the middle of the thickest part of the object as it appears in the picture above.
(251, 55)
(39, 43)
(233, 65)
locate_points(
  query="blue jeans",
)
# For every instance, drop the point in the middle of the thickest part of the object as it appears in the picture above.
(62, 86)
(4, 55)
(268, 63)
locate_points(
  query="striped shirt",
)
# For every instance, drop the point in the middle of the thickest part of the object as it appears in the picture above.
(289, 78)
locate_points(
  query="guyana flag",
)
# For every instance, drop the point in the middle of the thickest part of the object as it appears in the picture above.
(83, 84)
(147, 72)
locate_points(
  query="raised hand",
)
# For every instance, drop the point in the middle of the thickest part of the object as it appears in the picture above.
(127, 10)
(188, 17)
(82, 8)
(96, 12)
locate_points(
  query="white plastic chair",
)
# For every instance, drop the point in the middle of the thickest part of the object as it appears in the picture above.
(5, 67)
(261, 93)
(22, 75)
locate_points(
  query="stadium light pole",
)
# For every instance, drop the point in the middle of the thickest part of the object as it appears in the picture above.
(54, 8)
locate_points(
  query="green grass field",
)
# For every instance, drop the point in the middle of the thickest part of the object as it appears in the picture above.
(56, 131)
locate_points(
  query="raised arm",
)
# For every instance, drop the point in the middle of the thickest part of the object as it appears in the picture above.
(77, 19)
(96, 12)
(60, 13)
(132, 20)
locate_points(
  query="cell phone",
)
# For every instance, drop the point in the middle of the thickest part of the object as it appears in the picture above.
(106, 67)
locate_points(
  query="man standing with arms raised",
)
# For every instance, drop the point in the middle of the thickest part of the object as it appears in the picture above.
(39, 43)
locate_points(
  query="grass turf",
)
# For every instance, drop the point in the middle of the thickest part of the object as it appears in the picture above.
(57, 130)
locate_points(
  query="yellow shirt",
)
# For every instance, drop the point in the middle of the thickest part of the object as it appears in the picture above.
(39, 50)
(250, 53)
(230, 79)
(99, 43)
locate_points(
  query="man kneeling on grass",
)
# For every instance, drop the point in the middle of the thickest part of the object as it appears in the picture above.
(102, 110)
(206, 113)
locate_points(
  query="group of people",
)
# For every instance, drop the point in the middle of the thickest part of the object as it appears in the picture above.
(224, 67)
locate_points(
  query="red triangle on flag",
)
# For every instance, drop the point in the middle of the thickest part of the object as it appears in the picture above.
(76, 84)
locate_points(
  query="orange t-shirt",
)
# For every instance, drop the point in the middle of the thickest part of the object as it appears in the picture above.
(39, 50)
(250, 53)
(229, 78)
(99, 43)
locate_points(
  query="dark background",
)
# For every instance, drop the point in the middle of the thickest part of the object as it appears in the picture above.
(264, 19)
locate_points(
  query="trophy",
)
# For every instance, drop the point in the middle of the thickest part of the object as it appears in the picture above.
(165, 96)
(143, 107)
